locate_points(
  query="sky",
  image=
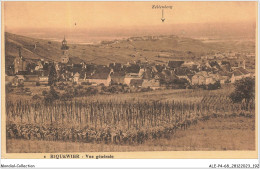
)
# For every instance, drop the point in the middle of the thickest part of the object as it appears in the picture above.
(100, 15)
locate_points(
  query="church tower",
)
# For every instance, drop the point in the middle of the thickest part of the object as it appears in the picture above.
(19, 62)
(65, 51)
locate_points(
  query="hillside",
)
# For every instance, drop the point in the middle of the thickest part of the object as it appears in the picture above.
(132, 49)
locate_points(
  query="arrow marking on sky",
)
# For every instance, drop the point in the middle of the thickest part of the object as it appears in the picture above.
(163, 19)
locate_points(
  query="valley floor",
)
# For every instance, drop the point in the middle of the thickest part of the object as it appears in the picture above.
(232, 133)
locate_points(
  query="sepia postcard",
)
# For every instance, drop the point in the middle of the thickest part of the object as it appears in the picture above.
(129, 80)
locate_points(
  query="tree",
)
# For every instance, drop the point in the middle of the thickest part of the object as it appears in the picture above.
(244, 91)
(52, 76)
(52, 95)
(30, 67)
(214, 86)
(8, 88)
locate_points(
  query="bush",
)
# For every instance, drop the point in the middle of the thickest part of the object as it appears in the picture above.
(114, 83)
(113, 89)
(61, 86)
(69, 91)
(203, 86)
(27, 90)
(20, 85)
(66, 97)
(214, 86)
(104, 88)
(91, 91)
(80, 87)
(44, 92)
(36, 97)
(75, 93)
(85, 83)
(146, 89)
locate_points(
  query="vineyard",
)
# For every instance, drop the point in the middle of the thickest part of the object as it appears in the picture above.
(117, 122)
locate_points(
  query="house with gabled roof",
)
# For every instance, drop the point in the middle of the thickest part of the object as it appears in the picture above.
(214, 64)
(136, 82)
(133, 72)
(226, 67)
(31, 80)
(147, 73)
(118, 77)
(239, 73)
(182, 73)
(174, 64)
(204, 78)
(76, 77)
(149, 79)
(224, 76)
(76, 68)
(188, 64)
(44, 79)
(116, 66)
(18, 80)
(100, 78)
(133, 68)
(165, 77)
(39, 65)
(130, 76)
(9, 79)
(152, 83)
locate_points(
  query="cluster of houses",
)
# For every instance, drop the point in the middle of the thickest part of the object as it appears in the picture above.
(137, 74)
(228, 55)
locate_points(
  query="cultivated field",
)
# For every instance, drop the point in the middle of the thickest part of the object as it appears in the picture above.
(216, 134)
(126, 119)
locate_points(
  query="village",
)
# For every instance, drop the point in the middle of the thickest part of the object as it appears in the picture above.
(209, 73)
(165, 80)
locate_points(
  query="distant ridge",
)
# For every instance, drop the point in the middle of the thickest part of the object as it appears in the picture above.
(146, 48)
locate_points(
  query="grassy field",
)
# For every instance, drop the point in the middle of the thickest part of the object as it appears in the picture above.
(18, 94)
(233, 133)
(184, 95)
